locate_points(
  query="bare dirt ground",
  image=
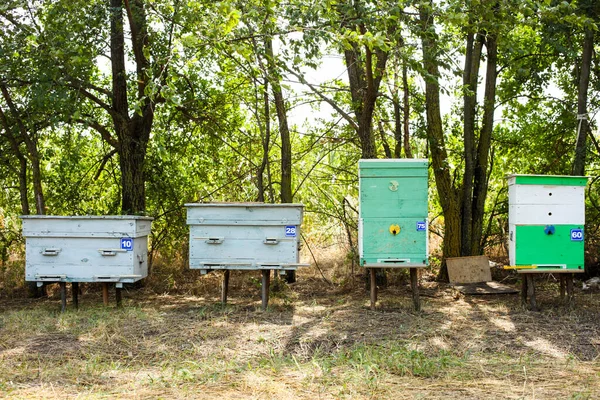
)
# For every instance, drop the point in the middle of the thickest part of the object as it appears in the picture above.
(314, 341)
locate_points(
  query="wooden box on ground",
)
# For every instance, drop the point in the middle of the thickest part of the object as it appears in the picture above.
(472, 269)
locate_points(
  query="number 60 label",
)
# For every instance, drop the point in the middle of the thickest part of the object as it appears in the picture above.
(577, 235)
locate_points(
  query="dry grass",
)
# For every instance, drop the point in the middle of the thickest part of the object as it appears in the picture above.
(314, 341)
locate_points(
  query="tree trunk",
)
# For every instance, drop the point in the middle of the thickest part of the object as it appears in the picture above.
(358, 93)
(284, 131)
(386, 147)
(132, 154)
(133, 133)
(265, 144)
(582, 95)
(23, 184)
(482, 169)
(435, 137)
(32, 152)
(397, 126)
(364, 78)
(406, 112)
(365, 128)
(36, 175)
(119, 73)
(470, 81)
(33, 155)
(23, 191)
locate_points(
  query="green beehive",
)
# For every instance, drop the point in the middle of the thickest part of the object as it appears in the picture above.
(393, 212)
(546, 217)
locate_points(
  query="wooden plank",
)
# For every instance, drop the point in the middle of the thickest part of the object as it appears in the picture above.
(469, 269)
(483, 288)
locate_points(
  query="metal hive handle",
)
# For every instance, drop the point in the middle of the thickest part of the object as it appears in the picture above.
(50, 251)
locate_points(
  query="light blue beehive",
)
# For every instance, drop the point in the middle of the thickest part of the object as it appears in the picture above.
(86, 248)
(393, 212)
(244, 236)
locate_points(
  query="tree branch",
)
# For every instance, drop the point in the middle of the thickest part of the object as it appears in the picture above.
(105, 106)
(103, 163)
(326, 99)
(104, 132)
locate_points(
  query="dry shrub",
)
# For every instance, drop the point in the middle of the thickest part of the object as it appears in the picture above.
(592, 257)
(12, 277)
(333, 258)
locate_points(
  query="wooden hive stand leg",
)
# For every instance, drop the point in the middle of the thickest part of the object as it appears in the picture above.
(63, 296)
(570, 294)
(531, 293)
(75, 290)
(225, 287)
(266, 278)
(373, 272)
(524, 290)
(119, 296)
(562, 286)
(414, 285)
(105, 293)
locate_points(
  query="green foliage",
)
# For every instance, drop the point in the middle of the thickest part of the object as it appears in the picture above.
(207, 77)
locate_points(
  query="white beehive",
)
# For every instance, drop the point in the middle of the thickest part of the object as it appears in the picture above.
(244, 236)
(86, 248)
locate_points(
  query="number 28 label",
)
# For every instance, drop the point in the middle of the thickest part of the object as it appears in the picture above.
(290, 230)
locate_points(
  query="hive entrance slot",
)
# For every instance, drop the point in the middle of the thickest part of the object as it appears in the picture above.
(395, 261)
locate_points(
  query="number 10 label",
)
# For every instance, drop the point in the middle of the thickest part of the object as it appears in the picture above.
(127, 244)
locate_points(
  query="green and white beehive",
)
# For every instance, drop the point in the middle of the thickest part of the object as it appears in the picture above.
(393, 225)
(546, 216)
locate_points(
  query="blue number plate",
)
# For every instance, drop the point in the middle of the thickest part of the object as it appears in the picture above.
(577, 235)
(421, 226)
(290, 231)
(127, 244)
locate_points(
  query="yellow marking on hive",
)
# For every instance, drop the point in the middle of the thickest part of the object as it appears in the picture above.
(394, 229)
(520, 266)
